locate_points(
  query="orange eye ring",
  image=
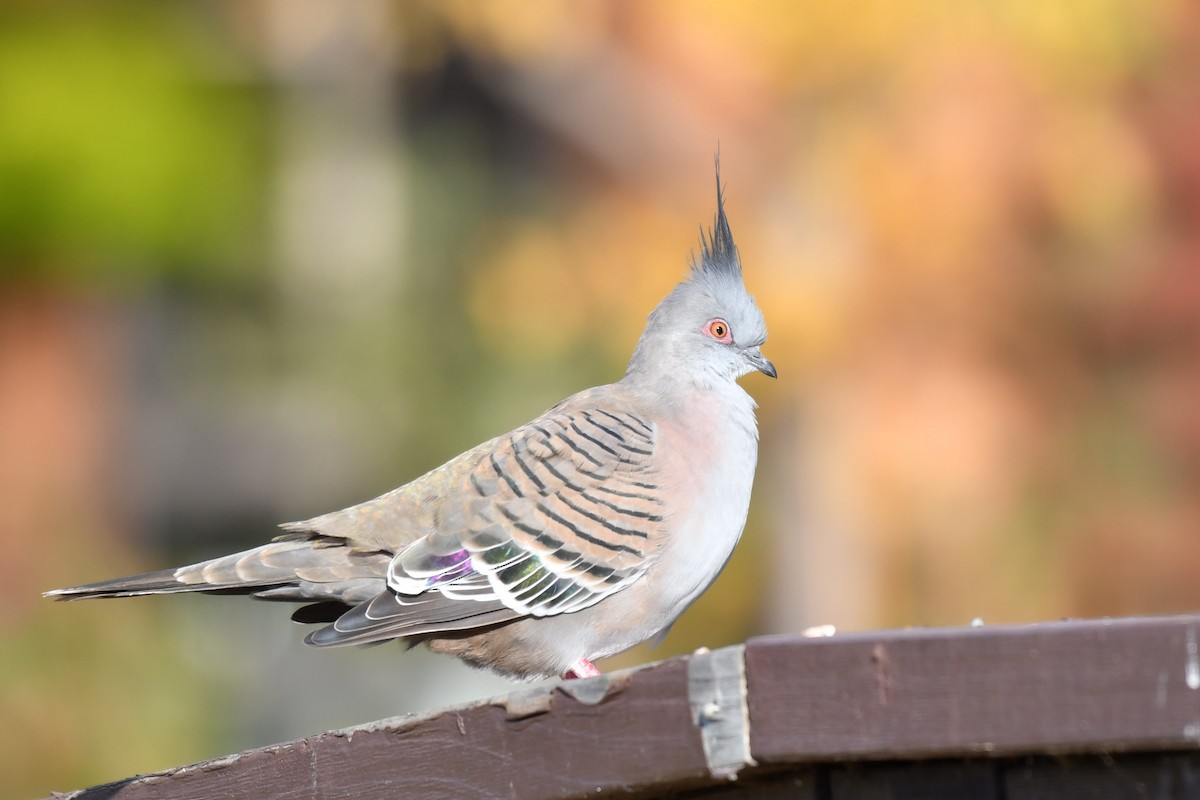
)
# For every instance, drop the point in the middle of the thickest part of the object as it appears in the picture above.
(718, 330)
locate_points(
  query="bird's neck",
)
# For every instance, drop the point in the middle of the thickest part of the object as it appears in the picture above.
(681, 387)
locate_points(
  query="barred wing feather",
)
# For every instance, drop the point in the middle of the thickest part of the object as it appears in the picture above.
(557, 516)
(566, 512)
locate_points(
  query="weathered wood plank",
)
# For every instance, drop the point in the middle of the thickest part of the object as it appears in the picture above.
(1103, 685)
(825, 718)
(541, 743)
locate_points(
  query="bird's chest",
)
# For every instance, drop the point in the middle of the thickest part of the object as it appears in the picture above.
(711, 471)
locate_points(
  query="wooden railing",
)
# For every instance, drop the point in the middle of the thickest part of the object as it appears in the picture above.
(1095, 709)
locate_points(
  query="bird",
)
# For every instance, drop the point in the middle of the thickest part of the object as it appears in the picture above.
(567, 540)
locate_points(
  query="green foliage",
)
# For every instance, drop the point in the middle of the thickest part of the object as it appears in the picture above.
(117, 151)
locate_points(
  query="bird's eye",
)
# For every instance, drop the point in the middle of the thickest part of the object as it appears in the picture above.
(718, 330)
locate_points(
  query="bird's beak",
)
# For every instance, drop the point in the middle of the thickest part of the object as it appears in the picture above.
(760, 363)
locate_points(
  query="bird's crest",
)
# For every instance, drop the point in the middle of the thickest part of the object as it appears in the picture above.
(718, 253)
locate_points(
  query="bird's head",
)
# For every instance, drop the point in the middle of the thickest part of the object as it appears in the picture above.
(709, 328)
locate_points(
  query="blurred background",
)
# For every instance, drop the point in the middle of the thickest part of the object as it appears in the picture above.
(261, 259)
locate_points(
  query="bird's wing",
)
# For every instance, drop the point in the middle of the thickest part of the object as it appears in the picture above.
(555, 517)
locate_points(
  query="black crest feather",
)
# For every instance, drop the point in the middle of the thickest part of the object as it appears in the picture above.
(718, 253)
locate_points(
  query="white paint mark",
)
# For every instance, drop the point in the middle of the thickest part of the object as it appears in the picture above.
(1191, 668)
(1160, 695)
(1192, 731)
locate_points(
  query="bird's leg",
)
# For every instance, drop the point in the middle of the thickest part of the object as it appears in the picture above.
(581, 669)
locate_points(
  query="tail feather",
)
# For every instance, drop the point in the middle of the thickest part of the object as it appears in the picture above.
(291, 569)
(163, 581)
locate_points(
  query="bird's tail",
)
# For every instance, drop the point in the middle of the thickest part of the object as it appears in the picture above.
(163, 581)
(293, 567)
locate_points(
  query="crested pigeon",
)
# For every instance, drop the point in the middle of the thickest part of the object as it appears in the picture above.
(572, 538)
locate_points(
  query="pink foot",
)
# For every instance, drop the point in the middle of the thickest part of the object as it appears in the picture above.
(581, 669)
